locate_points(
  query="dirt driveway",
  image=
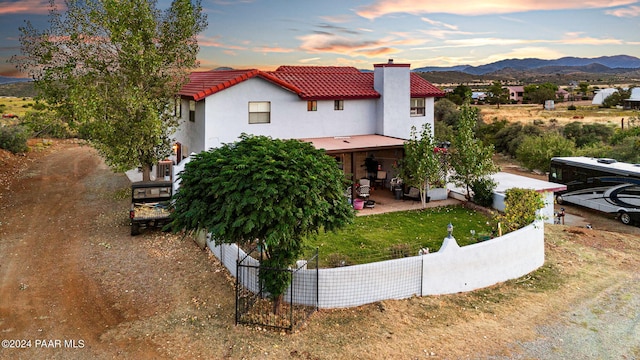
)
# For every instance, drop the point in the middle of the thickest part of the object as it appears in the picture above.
(75, 285)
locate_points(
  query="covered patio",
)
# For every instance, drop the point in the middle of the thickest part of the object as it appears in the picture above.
(362, 157)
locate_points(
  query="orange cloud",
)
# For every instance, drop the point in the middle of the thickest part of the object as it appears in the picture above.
(474, 7)
(267, 49)
(36, 7)
(351, 46)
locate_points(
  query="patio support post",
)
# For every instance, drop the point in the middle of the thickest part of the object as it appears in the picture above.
(353, 177)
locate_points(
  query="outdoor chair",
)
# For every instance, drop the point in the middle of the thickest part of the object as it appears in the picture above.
(363, 191)
(381, 178)
(413, 194)
(394, 183)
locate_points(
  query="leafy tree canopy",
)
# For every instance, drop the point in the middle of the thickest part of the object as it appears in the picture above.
(460, 94)
(421, 165)
(521, 208)
(112, 69)
(535, 152)
(538, 94)
(274, 191)
(497, 94)
(470, 158)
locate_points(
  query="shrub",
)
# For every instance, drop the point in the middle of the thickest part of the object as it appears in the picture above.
(487, 132)
(628, 150)
(571, 107)
(43, 123)
(483, 191)
(588, 134)
(535, 152)
(14, 138)
(508, 139)
(446, 111)
(521, 206)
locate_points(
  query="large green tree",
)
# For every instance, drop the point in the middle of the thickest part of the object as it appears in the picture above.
(275, 192)
(112, 69)
(421, 165)
(538, 94)
(469, 157)
(497, 94)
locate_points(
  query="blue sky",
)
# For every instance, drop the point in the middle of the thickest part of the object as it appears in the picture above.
(264, 34)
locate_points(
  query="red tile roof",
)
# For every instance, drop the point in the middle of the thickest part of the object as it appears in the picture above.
(328, 82)
(204, 83)
(308, 82)
(422, 88)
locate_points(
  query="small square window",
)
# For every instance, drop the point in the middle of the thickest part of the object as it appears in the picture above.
(312, 105)
(259, 112)
(338, 105)
(417, 107)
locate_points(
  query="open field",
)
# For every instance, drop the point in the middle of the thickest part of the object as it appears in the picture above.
(585, 113)
(14, 105)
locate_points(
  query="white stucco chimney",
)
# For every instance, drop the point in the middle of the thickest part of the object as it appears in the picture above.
(393, 83)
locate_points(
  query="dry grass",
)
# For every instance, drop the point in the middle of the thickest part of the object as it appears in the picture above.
(527, 114)
(13, 105)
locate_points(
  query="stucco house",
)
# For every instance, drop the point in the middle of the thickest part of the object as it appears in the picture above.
(352, 114)
(516, 93)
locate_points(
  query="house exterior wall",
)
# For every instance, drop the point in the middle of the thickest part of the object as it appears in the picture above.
(227, 116)
(189, 133)
(393, 109)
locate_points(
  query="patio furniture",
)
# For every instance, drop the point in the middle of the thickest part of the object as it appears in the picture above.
(413, 194)
(395, 183)
(381, 178)
(364, 191)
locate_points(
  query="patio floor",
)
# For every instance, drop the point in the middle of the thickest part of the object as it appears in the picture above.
(386, 202)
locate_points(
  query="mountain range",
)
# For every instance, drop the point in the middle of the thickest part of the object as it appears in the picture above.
(618, 64)
(10, 80)
(603, 64)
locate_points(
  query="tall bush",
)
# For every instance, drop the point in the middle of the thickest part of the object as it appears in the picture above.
(535, 152)
(521, 206)
(483, 191)
(45, 123)
(14, 138)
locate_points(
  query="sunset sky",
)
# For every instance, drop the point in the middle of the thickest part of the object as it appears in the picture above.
(264, 34)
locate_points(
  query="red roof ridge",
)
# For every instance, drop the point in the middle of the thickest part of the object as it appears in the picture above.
(308, 82)
(204, 83)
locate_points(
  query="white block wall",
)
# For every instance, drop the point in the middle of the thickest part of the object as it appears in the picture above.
(450, 270)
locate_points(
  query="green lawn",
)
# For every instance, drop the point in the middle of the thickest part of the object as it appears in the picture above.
(380, 237)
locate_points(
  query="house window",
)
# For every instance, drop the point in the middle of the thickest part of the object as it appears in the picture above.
(338, 105)
(259, 112)
(192, 110)
(312, 105)
(177, 107)
(417, 107)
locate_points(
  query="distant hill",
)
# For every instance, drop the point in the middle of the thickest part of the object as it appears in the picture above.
(11, 80)
(603, 64)
(18, 89)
